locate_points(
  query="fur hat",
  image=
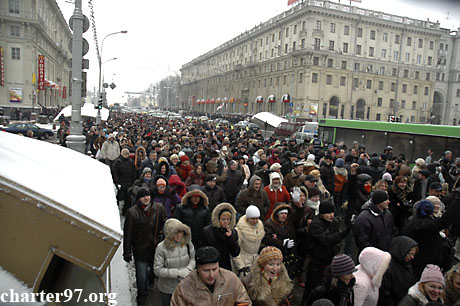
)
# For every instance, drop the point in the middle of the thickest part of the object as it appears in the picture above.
(432, 273)
(269, 253)
(275, 166)
(142, 192)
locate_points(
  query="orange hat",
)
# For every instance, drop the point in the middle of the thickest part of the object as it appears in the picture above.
(161, 182)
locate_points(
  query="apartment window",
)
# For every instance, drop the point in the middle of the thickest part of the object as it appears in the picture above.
(272, 52)
(266, 40)
(403, 104)
(15, 30)
(346, 30)
(380, 85)
(277, 81)
(318, 24)
(407, 57)
(394, 71)
(284, 80)
(378, 117)
(392, 103)
(271, 81)
(369, 84)
(328, 79)
(415, 91)
(379, 101)
(304, 23)
(371, 51)
(420, 43)
(404, 88)
(286, 48)
(409, 41)
(430, 60)
(382, 69)
(332, 27)
(317, 44)
(414, 105)
(417, 75)
(344, 79)
(397, 38)
(428, 76)
(458, 92)
(427, 90)
(441, 46)
(279, 35)
(358, 49)
(330, 62)
(344, 66)
(302, 43)
(331, 45)
(315, 60)
(384, 53)
(357, 66)
(396, 55)
(287, 32)
(314, 78)
(431, 45)
(419, 59)
(302, 61)
(301, 77)
(359, 33)
(273, 37)
(293, 45)
(265, 82)
(345, 47)
(295, 29)
(355, 82)
(372, 35)
(14, 6)
(15, 53)
(393, 86)
(385, 37)
(406, 73)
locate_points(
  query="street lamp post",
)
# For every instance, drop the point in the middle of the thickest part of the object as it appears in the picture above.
(98, 117)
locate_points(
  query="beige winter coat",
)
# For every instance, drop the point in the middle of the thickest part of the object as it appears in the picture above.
(249, 239)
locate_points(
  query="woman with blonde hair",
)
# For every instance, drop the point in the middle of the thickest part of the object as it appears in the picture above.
(325, 195)
(451, 294)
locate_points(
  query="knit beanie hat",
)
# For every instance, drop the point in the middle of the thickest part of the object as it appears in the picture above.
(432, 273)
(261, 163)
(206, 255)
(275, 166)
(146, 169)
(379, 196)
(322, 302)
(424, 208)
(342, 264)
(326, 207)
(210, 177)
(184, 158)
(311, 157)
(387, 177)
(339, 162)
(269, 253)
(161, 182)
(142, 192)
(252, 212)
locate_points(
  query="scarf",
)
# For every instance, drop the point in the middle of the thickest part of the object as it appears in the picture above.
(314, 206)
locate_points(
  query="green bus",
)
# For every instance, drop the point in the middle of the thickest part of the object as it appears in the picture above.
(411, 139)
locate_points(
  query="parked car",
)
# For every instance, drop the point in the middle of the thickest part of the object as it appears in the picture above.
(203, 118)
(23, 127)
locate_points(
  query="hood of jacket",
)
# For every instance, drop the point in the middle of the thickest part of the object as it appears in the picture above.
(375, 162)
(171, 227)
(160, 164)
(374, 262)
(342, 171)
(400, 246)
(272, 176)
(187, 197)
(211, 167)
(362, 178)
(218, 210)
(273, 294)
(174, 180)
(277, 208)
(417, 295)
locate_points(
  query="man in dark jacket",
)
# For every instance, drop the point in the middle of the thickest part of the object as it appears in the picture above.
(374, 169)
(124, 175)
(214, 193)
(151, 161)
(222, 235)
(253, 195)
(195, 213)
(141, 234)
(295, 177)
(327, 173)
(232, 180)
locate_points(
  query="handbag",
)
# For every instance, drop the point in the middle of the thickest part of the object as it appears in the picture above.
(98, 154)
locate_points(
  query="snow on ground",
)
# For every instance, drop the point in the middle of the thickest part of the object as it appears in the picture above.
(11, 287)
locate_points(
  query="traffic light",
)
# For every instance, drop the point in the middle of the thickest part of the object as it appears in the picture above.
(100, 101)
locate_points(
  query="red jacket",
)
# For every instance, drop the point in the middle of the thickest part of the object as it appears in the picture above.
(276, 196)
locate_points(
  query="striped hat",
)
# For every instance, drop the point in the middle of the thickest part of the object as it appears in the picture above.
(342, 264)
(269, 253)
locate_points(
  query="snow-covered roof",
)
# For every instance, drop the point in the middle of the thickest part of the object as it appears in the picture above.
(74, 180)
(270, 118)
(86, 110)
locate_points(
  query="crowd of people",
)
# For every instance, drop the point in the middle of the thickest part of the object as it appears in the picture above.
(227, 217)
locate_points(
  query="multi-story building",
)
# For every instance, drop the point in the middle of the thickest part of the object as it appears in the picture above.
(322, 59)
(34, 56)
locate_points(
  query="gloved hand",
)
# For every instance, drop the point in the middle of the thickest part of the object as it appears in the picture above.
(289, 243)
(243, 271)
(295, 194)
(127, 258)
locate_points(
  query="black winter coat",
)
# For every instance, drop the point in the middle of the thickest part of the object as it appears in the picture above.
(233, 182)
(324, 239)
(124, 172)
(227, 246)
(141, 233)
(215, 195)
(282, 231)
(399, 277)
(327, 176)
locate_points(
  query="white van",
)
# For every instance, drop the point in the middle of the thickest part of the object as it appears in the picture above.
(308, 130)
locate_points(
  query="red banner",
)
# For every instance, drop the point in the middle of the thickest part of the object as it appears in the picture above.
(292, 1)
(2, 68)
(64, 92)
(41, 72)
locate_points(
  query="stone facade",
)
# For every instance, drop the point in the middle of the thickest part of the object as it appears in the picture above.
(332, 59)
(29, 28)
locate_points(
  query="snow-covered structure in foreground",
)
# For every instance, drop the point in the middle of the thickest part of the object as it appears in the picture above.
(59, 221)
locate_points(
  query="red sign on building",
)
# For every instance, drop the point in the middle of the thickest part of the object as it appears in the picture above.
(2, 68)
(41, 72)
(292, 1)
(64, 92)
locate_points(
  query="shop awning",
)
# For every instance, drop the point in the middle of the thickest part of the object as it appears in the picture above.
(259, 99)
(286, 98)
(271, 98)
(208, 101)
(51, 84)
(213, 101)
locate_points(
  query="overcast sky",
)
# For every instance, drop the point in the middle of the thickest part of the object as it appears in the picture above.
(163, 34)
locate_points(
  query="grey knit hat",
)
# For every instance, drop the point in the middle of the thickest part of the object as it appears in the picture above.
(342, 264)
